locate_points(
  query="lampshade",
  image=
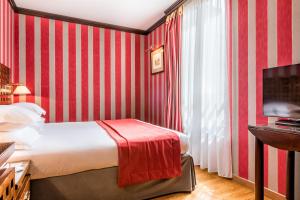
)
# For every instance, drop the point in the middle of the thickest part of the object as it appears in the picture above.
(21, 90)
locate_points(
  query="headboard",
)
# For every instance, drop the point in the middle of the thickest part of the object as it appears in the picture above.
(5, 86)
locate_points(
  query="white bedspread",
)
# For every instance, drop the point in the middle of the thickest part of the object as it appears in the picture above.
(68, 148)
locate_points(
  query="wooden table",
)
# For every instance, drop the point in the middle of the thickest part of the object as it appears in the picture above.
(281, 137)
(22, 178)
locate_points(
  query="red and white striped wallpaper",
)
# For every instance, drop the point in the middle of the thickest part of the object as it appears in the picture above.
(266, 33)
(6, 30)
(154, 85)
(78, 72)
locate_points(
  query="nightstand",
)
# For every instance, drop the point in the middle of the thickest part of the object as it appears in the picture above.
(7, 183)
(14, 177)
(22, 179)
(7, 175)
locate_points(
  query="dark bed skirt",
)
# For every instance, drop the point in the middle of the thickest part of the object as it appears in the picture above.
(102, 184)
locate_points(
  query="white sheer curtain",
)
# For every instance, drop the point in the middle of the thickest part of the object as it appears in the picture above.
(205, 91)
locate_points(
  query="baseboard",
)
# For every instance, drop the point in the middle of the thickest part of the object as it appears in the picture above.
(269, 193)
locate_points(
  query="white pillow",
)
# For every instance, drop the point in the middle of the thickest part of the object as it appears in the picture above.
(3, 110)
(32, 106)
(23, 138)
(7, 126)
(39, 124)
(20, 115)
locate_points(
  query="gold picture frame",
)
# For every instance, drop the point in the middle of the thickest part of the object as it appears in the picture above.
(157, 60)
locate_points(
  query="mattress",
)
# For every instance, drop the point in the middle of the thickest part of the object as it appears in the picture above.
(73, 147)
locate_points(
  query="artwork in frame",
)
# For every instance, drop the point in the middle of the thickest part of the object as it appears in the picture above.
(157, 60)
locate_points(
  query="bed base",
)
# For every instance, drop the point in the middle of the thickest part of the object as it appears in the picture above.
(102, 184)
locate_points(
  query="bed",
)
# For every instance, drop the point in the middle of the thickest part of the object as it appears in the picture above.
(80, 160)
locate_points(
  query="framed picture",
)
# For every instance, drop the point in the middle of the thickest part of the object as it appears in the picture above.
(157, 60)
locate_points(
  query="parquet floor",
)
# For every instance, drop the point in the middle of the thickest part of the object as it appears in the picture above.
(213, 187)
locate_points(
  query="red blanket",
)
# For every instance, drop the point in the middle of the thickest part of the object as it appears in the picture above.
(146, 152)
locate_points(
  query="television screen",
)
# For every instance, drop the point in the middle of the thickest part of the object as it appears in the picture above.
(281, 91)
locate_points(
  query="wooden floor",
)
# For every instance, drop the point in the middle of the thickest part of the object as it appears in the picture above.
(212, 187)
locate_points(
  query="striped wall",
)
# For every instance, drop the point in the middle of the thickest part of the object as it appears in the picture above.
(266, 33)
(6, 33)
(155, 83)
(78, 72)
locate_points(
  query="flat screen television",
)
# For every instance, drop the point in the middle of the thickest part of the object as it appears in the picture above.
(281, 92)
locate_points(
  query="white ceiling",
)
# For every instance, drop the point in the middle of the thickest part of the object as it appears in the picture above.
(139, 14)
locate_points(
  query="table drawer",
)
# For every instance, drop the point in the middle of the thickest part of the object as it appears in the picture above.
(24, 191)
(7, 189)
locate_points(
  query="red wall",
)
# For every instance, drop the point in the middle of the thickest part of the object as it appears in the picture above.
(78, 72)
(266, 33)
(6, 30)
(154, 84)
(85, 73)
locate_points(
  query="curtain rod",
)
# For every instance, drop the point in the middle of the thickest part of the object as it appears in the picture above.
(174, 6)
